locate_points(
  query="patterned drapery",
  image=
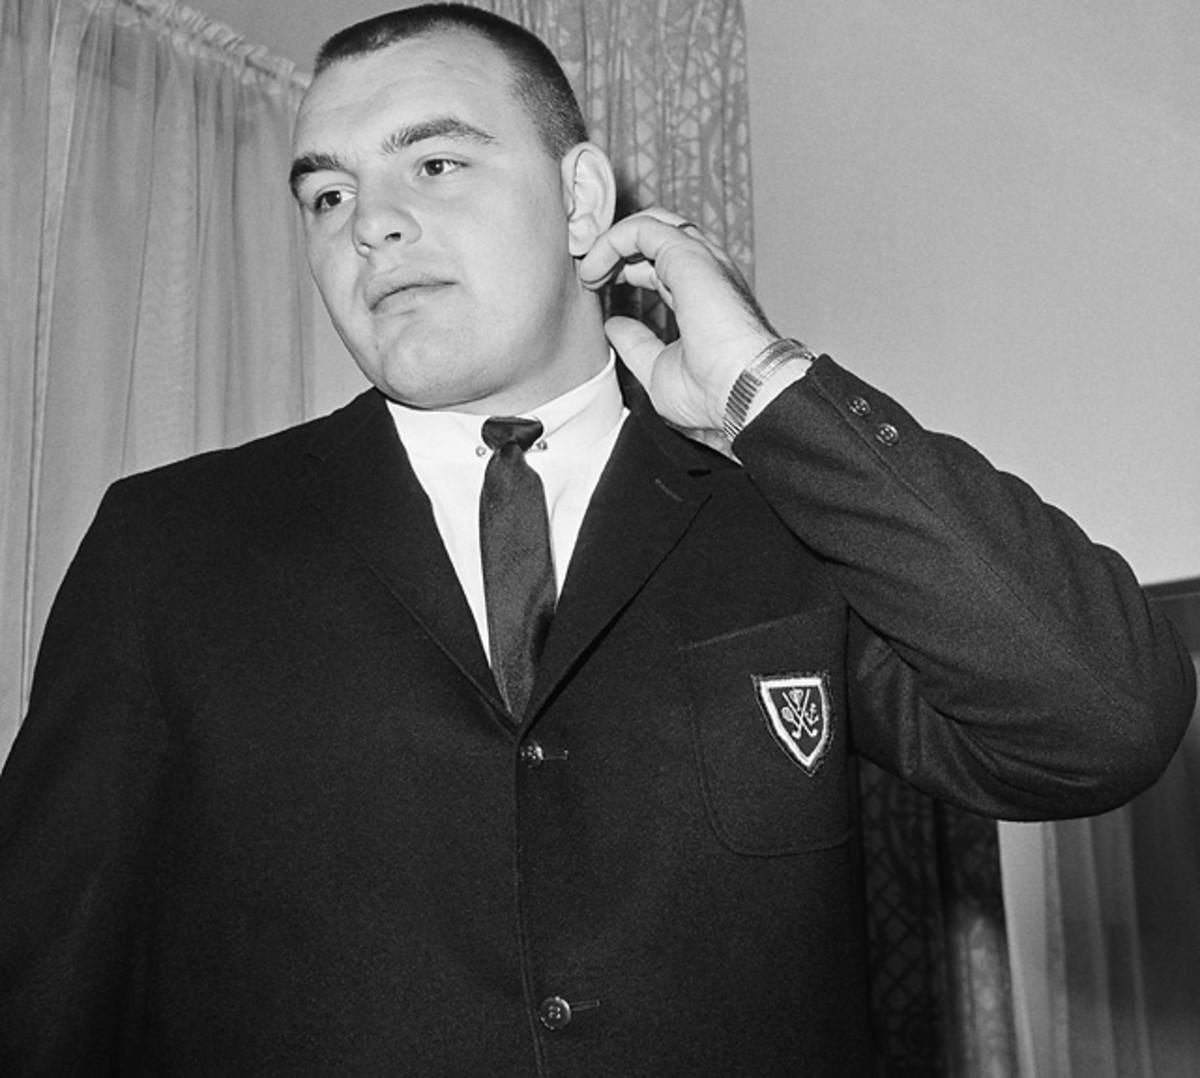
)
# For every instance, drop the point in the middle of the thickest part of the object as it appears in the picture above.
(941, 993)
(662, 85)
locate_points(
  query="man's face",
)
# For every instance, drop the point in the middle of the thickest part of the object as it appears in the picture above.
(436, 228)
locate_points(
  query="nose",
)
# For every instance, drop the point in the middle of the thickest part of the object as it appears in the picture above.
(380, 221)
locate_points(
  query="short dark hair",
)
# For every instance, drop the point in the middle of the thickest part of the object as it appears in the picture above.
(538, 81)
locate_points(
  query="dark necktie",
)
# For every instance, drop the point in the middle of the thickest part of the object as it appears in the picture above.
(518, 573)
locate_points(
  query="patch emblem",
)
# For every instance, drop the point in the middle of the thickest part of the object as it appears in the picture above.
(799, 716)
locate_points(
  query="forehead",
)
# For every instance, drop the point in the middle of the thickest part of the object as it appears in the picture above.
(443, 73)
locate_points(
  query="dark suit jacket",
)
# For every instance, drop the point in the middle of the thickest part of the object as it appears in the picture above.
(268, 815)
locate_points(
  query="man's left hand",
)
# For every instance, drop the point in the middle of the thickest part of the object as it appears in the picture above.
(721, 327)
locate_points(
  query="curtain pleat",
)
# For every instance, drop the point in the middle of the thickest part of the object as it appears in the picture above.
(26, 31)
(149, 265)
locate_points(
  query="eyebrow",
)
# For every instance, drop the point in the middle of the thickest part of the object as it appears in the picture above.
(311, 162)
(438, 127)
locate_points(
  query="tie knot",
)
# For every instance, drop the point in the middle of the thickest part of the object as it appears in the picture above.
(503, 430)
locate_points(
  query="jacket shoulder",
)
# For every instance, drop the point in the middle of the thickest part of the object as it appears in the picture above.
(259, 463)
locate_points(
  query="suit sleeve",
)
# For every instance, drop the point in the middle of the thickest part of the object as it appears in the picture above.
(998, 659)
(75, 808)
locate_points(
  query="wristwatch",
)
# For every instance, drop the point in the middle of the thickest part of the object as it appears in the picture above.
(751, 380)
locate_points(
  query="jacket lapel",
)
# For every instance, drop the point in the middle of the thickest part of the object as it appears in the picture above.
(360, 480)
(642, 507)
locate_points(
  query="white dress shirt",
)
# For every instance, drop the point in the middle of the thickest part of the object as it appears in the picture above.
(446, 450)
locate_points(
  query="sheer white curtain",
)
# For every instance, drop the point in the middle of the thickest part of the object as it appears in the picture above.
(154, 296)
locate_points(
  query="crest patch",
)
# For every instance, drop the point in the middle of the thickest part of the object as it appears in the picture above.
(799, 715)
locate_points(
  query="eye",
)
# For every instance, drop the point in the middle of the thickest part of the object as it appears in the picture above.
(439, 166)
(327, 200)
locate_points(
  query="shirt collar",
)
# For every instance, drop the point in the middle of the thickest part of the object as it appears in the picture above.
(572, 422)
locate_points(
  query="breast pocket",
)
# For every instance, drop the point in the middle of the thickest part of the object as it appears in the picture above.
(768, 716)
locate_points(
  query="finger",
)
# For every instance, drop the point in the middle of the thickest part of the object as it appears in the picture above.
(637, 345)
(644, 236)
(661, 213)
(695, 232)
(643, 275)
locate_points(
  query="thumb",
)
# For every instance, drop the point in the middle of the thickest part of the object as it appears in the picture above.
(636, 344)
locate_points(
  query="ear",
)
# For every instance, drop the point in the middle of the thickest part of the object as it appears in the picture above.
(589, 195)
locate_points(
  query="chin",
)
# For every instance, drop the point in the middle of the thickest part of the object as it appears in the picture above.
(428, 374)
(410, 388)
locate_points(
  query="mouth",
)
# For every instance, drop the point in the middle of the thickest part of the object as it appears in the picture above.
(387, 295)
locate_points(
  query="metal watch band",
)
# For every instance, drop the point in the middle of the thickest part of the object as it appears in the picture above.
(752, 379)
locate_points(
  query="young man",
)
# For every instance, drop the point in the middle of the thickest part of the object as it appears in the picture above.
(304, 790)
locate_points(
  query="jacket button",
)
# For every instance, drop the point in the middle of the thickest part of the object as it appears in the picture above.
(859, 406)
(554, 1013)
(886, 434)
(532, 754)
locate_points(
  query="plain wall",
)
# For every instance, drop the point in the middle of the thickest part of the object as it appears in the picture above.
(993, 211)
